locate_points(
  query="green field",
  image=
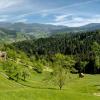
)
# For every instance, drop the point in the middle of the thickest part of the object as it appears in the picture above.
(36, 89)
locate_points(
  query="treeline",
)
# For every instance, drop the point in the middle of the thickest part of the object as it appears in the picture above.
(83, 46)
(71, 44)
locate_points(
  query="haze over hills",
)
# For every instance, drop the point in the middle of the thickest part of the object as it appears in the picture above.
(35, 27)
(29, 27)
(28, 30)
(23, 31)
(88, 27)
(91, 26)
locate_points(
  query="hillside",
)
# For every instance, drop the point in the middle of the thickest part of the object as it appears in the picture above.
(84, 46)
(85, 28)
(6, 84)
(49, 68)
(8, 36)
(36, 30)
(62, 43)
(23, 31)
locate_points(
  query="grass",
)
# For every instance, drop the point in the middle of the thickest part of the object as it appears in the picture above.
(36, 89)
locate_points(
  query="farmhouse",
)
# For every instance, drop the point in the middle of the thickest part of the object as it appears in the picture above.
(3, 55)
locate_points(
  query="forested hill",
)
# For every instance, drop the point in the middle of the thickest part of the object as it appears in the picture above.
(5, 34)
(84, 48)
(34, 30)
(72, 44)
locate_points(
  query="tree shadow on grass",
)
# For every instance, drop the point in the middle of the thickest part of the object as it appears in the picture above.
(39, 87)
(98, 87)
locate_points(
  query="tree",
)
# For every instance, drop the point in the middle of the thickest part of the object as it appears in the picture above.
(96, 50)
(12, 70)
(62, 68)
(60, 76)
(83, 65)
(25, 73)
(9, 68)
(17, 72)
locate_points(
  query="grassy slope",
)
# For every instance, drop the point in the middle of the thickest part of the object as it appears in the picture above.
(75, 89)
(6, 84)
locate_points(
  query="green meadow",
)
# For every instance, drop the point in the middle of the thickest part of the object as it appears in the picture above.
(38, 89)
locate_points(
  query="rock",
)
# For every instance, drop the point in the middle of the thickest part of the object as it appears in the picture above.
(81, 75)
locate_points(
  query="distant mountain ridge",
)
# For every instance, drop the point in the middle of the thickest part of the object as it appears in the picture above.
(29, 27)
(36, 27)
(88, 27)
(36, 30)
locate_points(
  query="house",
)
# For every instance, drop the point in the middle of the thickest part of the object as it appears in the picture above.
(3, 55)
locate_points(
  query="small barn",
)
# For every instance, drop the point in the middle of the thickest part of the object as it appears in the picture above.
(3, 55)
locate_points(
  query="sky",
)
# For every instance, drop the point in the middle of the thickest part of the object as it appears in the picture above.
(72, 13)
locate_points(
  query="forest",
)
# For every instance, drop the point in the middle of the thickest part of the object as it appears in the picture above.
(83, 47)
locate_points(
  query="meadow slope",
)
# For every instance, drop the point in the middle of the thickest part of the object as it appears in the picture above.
(35, 89)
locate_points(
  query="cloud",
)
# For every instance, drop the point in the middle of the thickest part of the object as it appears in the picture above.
(65, 8)
(76, 21)
(6, 4)
(24, 8)
(23, 15)
(3, 18)
(62, 17)
(44, 14)
(22, 20)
